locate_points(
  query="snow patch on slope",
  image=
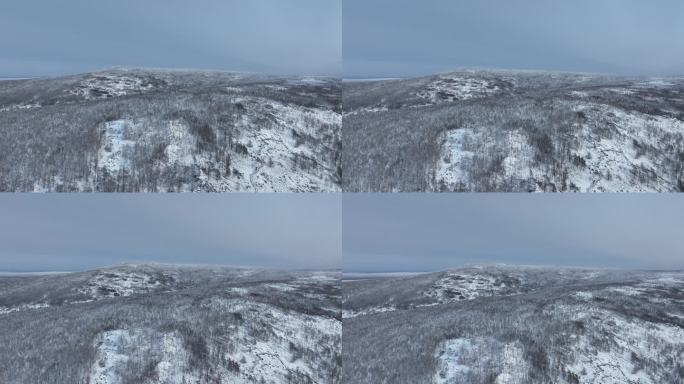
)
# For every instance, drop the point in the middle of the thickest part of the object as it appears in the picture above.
(113, 154)
(347, 314)
(23, 307)
(449, 354)
(635, 346)
(277, 156)
(181, 142)
(20, 106)
(117, 349)
(464, 148)
(273, 344)
(458, 357)
(173, 365)
(611, 162)
(109, 358)
(580, 94)
(375, 109)
(515, 367)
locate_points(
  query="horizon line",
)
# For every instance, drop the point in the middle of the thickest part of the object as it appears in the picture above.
(504, 69)
(490, 265)
(337, 74)
(158, 264)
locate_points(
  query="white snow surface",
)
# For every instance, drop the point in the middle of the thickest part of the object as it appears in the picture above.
(112, 156)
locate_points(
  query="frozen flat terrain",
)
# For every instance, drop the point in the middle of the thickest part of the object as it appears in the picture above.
(505, 324)
(514, 131)
(171, 324)
(160, 130)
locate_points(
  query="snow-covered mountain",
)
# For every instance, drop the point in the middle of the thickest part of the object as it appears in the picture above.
(506, 324)
(171, 324)
(514, 131)
(161, 130)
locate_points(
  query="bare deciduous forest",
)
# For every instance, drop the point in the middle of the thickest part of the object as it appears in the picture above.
(501, 324)
(171, 324)
(505, 131)
(135, 130)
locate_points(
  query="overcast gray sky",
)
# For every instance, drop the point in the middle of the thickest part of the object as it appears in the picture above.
(386, 38)
(43, 38)
(79, 231)
(427, 232)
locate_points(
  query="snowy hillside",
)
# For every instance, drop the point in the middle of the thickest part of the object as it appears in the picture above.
(169, 324)
(500, 324)
(156, 131)
(514, 131)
